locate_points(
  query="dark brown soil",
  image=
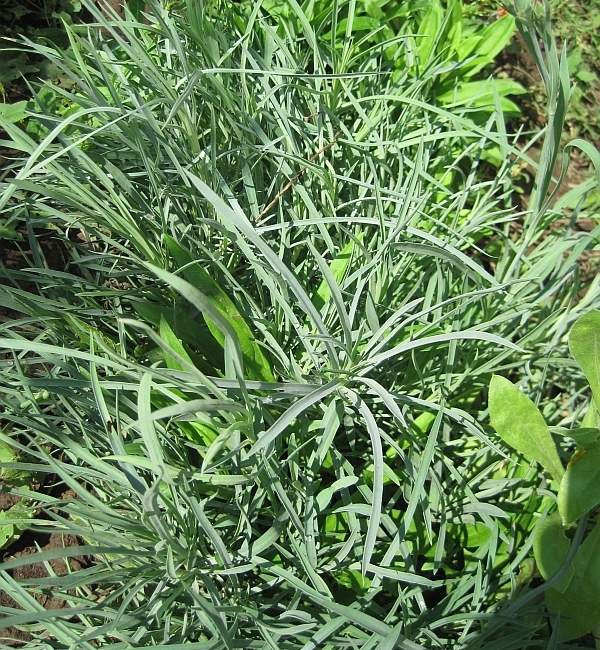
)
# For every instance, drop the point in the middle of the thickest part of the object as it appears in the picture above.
(8, 500)
(516, 63)
(27, 546)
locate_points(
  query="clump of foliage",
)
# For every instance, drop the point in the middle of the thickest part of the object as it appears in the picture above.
(572, 571)
(263, 371)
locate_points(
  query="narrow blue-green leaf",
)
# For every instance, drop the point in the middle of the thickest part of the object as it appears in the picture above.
(378, 476)
(293, 412)
(473, 335)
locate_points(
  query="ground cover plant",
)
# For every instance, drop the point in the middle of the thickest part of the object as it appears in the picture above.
(260, 381)
(573, 590)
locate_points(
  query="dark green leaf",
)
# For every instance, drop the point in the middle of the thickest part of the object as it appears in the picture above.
(584, 344)
(579, 490)
(254, 359)
(168, 336)
(550, 548)
(579, 604)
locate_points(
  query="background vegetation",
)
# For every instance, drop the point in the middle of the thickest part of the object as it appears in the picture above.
(270, 257)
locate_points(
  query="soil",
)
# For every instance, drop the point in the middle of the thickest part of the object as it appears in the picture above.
(29, 544)
(517, 63)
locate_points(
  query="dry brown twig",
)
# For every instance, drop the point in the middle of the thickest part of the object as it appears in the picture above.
(297, 176)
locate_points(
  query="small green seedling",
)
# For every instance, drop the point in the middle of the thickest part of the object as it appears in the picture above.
(520, 424)
(10, 528)
(11, 476)
(8, 232)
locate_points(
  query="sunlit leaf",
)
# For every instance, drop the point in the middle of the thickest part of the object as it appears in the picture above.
(519, 423)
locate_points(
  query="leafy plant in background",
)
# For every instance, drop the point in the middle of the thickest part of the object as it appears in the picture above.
(256, 363)
(576, 595)
(16, 472)
(577, 23)
(417, 35)
(40, 20)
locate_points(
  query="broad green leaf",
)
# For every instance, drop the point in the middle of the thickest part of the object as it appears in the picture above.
(579, 604)
(429, 31)
(455, 16)
(480, 93)
(10, 532)
(591, 418)
(584, 344)
(477, 534)
(13, 112)
(168, 336)
(338, 269)
(137, 9)
(493, 155)
(352, 579)
(466, 47)
(184, 328)
(550, 548)
(15, 477)
(494, 38)
(361, 24)
(586, 76)
(7, 455)
(519, 423)
(423, 423)
(255, 361)
(324, 497)
(468, 535)
(9, 233)
(198, 432)
(579, 490)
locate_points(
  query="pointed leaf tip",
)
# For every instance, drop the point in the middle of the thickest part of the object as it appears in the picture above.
(519, 423)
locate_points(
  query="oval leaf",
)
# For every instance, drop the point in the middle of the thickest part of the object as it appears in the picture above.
(519, 423)
(579, 490)
(584, 344)
(579, 604)
(550, 548)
